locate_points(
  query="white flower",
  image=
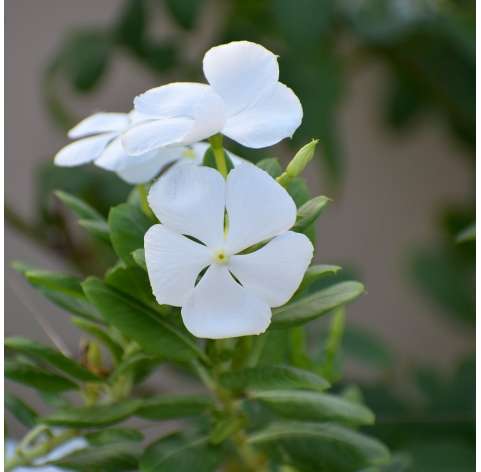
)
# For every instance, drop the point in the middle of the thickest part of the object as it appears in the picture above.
(100, 142)
(244, 101)
(234, 296)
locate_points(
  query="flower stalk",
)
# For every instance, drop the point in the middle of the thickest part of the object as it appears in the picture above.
(219, 154)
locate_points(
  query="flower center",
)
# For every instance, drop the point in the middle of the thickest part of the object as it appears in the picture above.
(189, 153)
(220, 257)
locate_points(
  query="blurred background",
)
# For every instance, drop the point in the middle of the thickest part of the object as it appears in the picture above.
(389, 89)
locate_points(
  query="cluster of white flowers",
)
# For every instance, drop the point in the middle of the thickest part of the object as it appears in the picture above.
(223, 250)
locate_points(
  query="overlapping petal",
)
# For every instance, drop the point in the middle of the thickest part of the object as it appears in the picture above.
(190, 200)
(83, 151)
(275, 116)
(258, 208)
(100, 123)
(171, 100)
(275, 271)
(154, 134)
(173, 263)
(219, 307)
(240, 72)
(139, 169)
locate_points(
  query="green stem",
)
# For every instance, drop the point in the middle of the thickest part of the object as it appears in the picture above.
(26, 457)
(218, 149)
(284, 179)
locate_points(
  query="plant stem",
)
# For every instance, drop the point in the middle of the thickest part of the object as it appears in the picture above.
(27, 457)
(218, 149)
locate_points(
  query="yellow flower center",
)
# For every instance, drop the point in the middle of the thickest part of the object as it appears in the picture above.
(220, 257)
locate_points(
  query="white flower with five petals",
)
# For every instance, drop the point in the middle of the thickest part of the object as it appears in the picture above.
(98, 140)
(244, 101)
(208, 223)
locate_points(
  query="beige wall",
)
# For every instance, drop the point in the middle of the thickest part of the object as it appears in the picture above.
(392, 186)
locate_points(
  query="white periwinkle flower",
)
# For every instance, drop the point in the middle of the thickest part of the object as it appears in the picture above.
(244, 101)
(98, 140)
(207, 222)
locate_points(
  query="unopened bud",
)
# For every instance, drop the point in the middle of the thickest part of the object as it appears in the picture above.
(301, 159)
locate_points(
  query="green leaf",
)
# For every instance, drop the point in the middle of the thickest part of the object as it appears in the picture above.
(128, 225)
(98, 229)
(225, 428)
(151, 330)
(164, 407)
(95, 330)
(18, 408)
(85, 57)
(309, 212)
(83, 210)
(139, 257)
(116, 457)
(273, 377)
(133, 281)
(61, 289)
(37, 378)
(131, 25)
(92, 416)
(51, 356)
(185, 12)
(314, 406)
(175, 453)
(68, 284)
(364, 346)
(138, 363)
(271, 166)
(321, 447)
(113, 435)
(315, 305)
(315, 273)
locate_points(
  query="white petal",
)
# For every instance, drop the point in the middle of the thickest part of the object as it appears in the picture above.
(257, 206)
(275, 271)
(275, 116)
(171, 100)
(100, 123)
(113, 156)
(83, 151)
(190, 200)
(154, 134)
(143, 168)
(220, 308)
(173, 264)
(209, 117)
(240, 72)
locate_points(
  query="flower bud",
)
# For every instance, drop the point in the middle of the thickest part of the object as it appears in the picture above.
(301, 159)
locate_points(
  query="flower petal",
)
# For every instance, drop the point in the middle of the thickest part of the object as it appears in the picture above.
(171, 100)
(275, 116)
(154, 134)
(173, 264)
(275, 271)
(240, 72)
(83, 151)
(141, 169)
(257, 206)
(190, 200)
(113, 156)
(100, 123)
(220, 308)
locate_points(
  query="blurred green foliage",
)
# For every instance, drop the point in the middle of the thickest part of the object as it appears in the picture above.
(427, 52)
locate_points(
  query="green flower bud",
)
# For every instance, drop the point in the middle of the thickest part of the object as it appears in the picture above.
(301, 159)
